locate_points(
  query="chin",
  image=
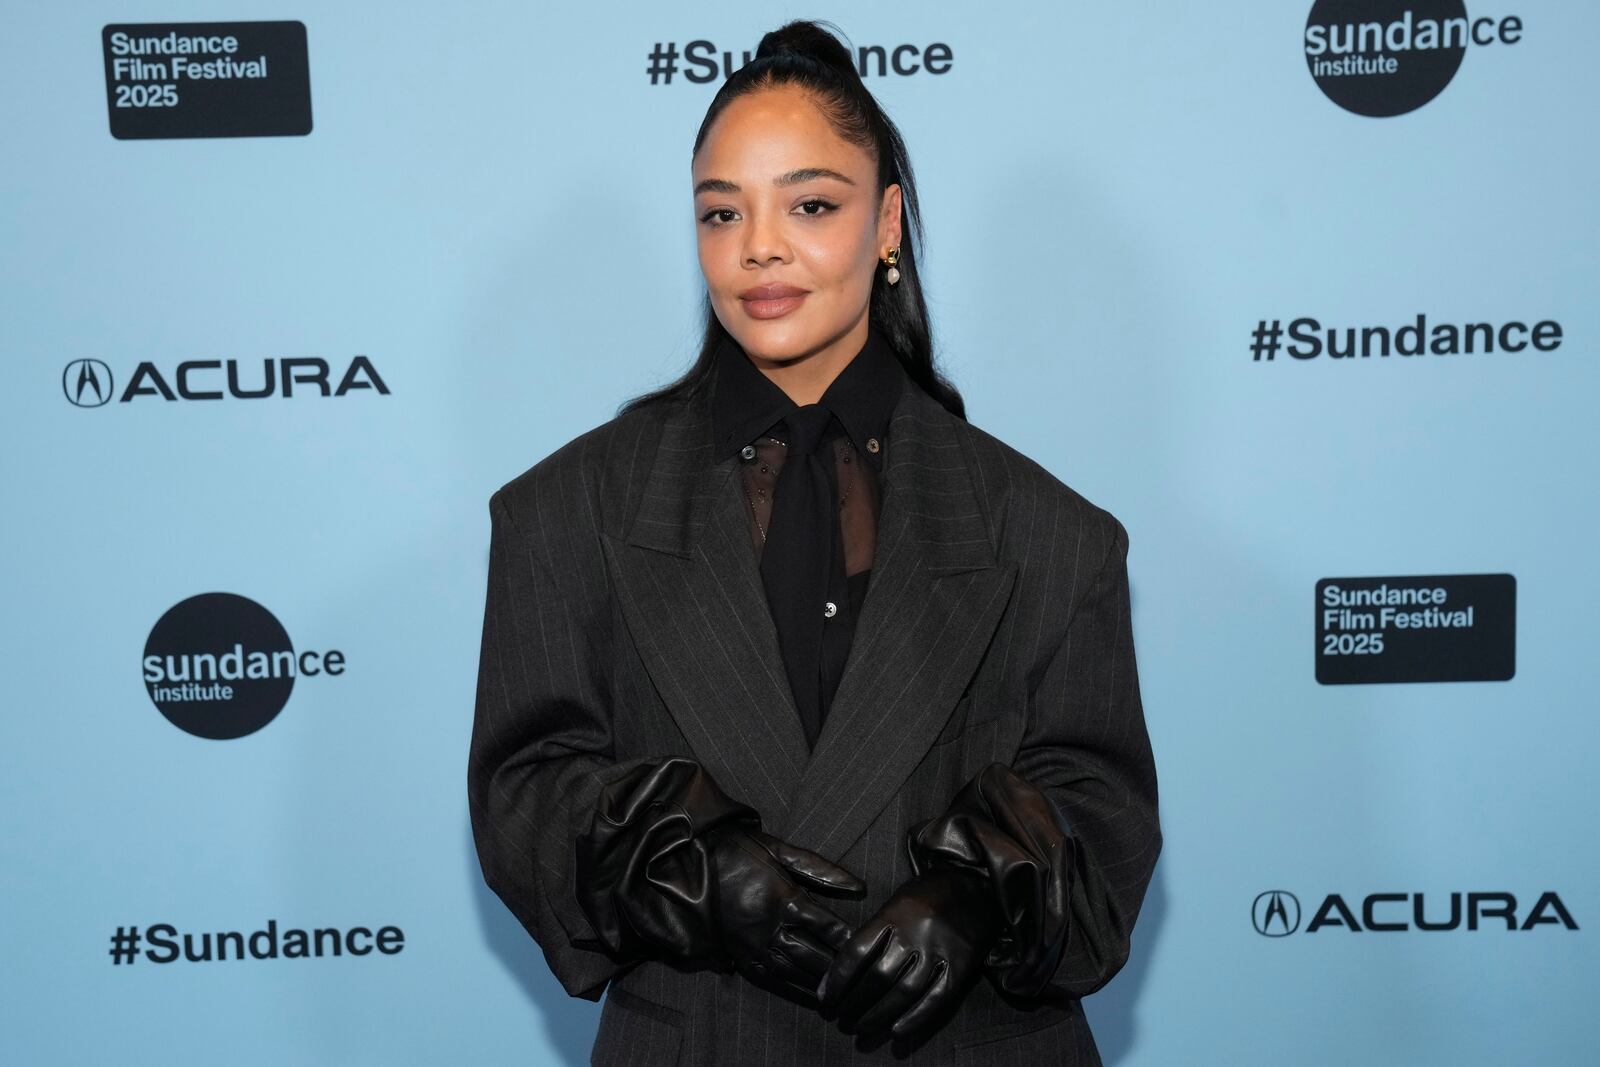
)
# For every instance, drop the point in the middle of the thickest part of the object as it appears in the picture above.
(773, 339)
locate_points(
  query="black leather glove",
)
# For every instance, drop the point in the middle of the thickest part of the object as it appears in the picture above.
(670, 861)
(773, 931)
(1003, 826)
(990, 893)
(907, 967)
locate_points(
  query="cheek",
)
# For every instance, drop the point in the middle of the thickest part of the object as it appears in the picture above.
(716, 263)
(836, 264)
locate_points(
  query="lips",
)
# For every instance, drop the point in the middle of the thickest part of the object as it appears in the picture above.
(771, 291)
(772, 300)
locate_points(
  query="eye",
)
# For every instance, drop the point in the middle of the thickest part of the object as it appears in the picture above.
(710, 217)
(822, 204)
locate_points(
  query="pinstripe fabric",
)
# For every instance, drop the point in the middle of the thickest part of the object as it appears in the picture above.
(625, 621)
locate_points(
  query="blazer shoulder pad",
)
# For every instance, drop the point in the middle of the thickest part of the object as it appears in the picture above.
(588, 477)
(1011, 481)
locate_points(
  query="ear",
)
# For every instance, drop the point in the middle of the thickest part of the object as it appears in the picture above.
(889, 219)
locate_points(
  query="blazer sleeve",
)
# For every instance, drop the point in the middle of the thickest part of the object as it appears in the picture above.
(541, 748)
(1086, 747)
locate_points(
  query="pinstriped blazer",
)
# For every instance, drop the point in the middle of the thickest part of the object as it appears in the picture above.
(625, 622)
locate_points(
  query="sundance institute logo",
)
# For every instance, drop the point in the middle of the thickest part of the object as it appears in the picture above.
(221, 666)
(1386, 57)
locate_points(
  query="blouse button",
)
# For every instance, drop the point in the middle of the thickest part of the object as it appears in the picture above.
(748, 452)
(829, 610)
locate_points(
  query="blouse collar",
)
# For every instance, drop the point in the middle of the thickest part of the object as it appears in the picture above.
(746, 403)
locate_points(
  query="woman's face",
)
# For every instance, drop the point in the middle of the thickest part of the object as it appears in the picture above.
(790, 228)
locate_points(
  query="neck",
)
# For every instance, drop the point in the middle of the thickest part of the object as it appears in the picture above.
(805, 378)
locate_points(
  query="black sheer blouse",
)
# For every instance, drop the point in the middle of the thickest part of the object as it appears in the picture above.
(748, 411)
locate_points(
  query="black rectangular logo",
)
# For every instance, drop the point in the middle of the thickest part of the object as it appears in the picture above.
(207, 79)
(1427, 628)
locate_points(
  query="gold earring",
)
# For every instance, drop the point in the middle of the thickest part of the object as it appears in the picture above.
(893, 257)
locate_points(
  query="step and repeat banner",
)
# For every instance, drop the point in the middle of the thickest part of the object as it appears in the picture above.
(1303, 291)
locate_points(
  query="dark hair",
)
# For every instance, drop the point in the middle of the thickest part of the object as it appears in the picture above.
(802, 53)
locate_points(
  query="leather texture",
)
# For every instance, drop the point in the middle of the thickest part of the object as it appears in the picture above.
(906, 969)
(670, 862)
(1002, 827)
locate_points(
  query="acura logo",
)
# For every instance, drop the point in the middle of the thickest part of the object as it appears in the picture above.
(87, 383)
(1276, 913)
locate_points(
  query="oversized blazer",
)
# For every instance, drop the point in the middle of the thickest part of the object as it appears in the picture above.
(626, 622)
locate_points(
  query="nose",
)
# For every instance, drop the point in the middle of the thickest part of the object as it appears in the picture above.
(764, 240)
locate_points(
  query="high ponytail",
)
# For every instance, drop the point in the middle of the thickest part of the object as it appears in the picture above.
(807, 40)
(804, 54)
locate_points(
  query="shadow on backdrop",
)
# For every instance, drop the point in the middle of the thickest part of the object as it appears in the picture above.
(569, 1022)
(1112, 1011)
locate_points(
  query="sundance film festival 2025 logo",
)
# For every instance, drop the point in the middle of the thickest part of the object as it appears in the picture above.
(89, 383)
(207, 79)
(1417, 628)
(1382, 58)
(1276, 913)
(220, 666)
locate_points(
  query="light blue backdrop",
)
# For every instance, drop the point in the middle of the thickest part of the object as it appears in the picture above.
(1116, 194)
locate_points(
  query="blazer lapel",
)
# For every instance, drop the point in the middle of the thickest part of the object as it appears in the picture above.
(694, 603)
(933, 602)
(692, 599)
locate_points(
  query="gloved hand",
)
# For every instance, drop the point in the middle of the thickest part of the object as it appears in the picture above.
(669, 861)
(911, 963)
(1002, 825)
(990, 893)
(772, 930)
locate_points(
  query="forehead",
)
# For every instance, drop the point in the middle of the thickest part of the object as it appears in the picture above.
(772, 131)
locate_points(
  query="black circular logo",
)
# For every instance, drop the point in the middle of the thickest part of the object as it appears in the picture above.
(1385, 57)
(87, 383)
(1276, 913)
(219, 666)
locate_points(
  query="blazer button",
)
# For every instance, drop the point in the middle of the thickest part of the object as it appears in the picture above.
(748, 452)
(829, 610)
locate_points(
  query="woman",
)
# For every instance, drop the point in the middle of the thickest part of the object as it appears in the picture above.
(807, 715)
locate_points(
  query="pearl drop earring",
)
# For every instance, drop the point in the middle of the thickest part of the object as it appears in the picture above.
(893, 274)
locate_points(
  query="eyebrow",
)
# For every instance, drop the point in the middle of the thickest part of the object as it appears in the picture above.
(793, 177)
